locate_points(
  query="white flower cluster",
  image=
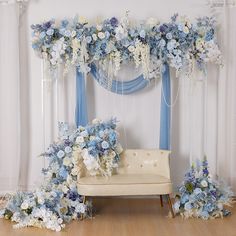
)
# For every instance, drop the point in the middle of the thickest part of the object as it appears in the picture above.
(141, 55)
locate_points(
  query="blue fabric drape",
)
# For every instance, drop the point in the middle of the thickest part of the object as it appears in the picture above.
(81, 116)
(165, 110)
(120, 87)
(126, 87)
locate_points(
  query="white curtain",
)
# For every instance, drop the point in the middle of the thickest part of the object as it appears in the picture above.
(204, 116)
(226, 138)
(10, 147)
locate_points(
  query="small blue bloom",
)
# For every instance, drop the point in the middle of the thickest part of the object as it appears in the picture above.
(68, 149)
(84, 133)
(114, 21)
(63, 173)
(169, 35)
(142, 34)
(60, 154)
(88, 39)
(50, 32)
(105, 145)
(42, 35)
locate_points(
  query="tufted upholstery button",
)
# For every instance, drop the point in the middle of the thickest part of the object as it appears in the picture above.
(155, 164)
(134, 154)
(162, 152)
(148, 154)
(141, 165)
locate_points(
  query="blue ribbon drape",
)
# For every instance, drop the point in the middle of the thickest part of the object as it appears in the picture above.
(81, 116)
(126, 87)
(120, 87)
(165, 110)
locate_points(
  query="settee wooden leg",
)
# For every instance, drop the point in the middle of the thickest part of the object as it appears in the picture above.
(82, 215)
(161, 200)
(170, 205)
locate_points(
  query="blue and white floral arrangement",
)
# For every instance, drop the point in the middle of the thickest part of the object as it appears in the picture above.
(114, 42)
(93, 149)
(202, 197)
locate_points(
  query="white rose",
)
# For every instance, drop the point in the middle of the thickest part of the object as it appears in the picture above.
(92, 138)
(101, 35)
(74, 171)
(96, 121)
(204, 183)
(64, 189)
(99, 27)
(119, 149)
(24, 205)
(73, 33)
(41, 200)
(186, 30)
(66, 161)
(82, 20)
(94, 36)
(79, 139)
(131, 48)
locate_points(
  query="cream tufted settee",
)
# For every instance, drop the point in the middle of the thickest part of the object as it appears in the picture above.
(140, 172)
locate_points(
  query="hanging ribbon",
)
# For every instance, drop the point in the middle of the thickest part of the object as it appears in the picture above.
(81, 116)
(165, 110)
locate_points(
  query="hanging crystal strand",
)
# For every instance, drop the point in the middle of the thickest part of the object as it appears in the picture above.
(110, 74)
(43, 83)
(190, 122)
(204, 133)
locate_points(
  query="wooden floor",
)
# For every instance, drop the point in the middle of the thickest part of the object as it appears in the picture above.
(132, 217)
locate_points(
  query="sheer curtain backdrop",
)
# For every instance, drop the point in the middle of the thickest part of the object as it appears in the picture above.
(9, 98)
(203, 118)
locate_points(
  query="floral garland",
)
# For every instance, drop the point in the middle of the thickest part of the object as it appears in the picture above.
(93, 148)
(113, 43)
(201, 197)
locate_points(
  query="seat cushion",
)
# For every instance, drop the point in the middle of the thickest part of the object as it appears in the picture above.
(124, 184)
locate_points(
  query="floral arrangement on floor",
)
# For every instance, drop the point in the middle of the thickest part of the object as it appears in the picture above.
(114, 42)
(93, 148)
(201, 197)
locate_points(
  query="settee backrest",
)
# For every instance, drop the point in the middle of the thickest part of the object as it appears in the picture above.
(145, 161)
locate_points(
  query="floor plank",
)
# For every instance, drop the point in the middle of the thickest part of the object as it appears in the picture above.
(132, 217)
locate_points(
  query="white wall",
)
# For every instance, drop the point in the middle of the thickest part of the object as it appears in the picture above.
(138, 113)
